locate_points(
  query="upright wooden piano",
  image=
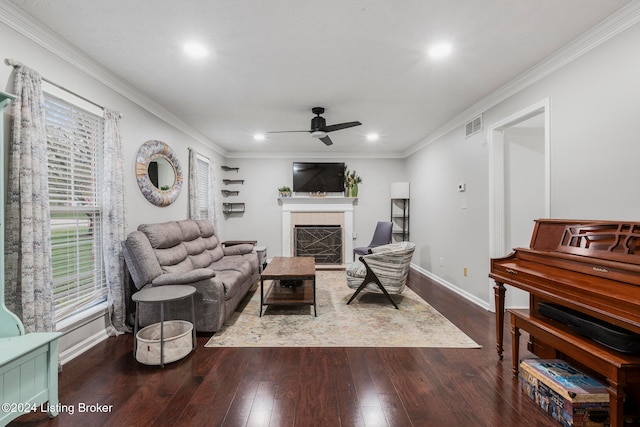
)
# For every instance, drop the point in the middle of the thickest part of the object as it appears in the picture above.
(593, 268)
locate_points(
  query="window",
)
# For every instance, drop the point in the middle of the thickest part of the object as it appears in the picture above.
(74, 148)
(204, 187)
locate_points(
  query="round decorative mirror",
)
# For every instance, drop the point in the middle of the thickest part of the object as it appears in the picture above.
(158, 173)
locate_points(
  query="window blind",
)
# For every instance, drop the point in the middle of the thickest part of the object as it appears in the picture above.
(74, 147)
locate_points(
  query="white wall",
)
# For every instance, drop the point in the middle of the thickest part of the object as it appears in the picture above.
(262, 218)
(595, 101)
(449, 237)
(138, 126)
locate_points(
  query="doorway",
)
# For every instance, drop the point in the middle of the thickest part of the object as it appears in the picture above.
(519, 185)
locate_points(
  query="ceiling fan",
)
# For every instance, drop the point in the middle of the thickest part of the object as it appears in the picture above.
(319, 128)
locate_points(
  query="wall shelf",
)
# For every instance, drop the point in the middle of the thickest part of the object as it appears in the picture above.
(232, 208)
(233, 181)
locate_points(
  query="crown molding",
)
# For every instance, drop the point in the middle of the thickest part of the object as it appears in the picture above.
(313, 155)
(608, 28)
(24, 24)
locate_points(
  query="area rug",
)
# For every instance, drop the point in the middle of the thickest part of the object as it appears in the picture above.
(369, 321)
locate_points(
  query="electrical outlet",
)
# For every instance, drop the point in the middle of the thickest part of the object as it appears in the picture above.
(441, 262)
(465, 272)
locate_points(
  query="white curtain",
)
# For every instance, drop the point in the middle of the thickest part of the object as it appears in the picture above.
(194, 206)
(214, 196)
(113, 224)
(29, 282)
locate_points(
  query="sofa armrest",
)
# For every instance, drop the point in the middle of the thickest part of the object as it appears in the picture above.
(140, 259)
(192, 276)
(238, 249)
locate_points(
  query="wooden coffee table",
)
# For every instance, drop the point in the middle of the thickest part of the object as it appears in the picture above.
(293, 282)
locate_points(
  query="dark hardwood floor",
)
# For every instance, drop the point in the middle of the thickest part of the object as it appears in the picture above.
(305, 386)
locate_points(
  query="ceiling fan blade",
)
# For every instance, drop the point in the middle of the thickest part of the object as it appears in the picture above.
(326, 140)
(288, 131)
(340, 126)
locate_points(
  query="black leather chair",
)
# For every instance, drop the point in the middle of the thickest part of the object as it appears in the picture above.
(381, 236)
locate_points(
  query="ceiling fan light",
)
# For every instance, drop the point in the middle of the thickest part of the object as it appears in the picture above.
(318, 134)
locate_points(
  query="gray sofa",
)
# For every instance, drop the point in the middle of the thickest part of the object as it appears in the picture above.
(188, 252)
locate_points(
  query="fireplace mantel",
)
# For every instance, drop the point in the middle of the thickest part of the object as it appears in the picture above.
(329, 204)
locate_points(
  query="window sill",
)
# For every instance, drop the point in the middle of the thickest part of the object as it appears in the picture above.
(82, 318)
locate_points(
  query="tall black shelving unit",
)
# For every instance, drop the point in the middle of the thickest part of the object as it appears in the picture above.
(400, 219)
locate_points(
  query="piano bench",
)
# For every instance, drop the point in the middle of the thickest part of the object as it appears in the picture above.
(619, 369)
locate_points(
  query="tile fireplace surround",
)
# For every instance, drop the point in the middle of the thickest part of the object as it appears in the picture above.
(318, 211)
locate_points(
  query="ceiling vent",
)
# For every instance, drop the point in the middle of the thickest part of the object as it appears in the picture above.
(473, 127)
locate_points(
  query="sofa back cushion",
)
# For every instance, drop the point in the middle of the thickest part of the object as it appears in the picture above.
(211, 242)
(195, 245)
(173, 247)
(162, 236)
(174, 260)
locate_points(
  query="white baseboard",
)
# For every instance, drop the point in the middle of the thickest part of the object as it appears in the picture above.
(75, 351)
(466, 295)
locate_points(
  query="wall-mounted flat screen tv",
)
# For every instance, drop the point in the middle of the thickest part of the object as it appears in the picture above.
(318, 177)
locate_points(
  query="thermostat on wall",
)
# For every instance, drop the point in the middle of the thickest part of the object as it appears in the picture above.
(462, 186)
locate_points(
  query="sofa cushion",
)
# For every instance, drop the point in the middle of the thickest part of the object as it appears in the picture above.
(171, 256)
(194, 246)
(184, 278)
(161, 236)
(190, 229)
(232, 281)
(239, 263)
(244, 248)
(206, 227)
(179, 268)
(201, 260)
(214, 248)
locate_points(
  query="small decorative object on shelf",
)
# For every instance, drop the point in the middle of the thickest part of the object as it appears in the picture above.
(284, 191)
(318, 194)
(229, 193)
(351, 181)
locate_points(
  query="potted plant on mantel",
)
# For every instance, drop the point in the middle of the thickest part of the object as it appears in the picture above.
(284, 191)
(351, 181)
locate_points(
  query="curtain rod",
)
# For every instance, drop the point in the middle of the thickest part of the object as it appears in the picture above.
(13, 63)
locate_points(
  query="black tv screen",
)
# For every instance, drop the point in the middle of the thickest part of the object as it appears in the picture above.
(318, 177)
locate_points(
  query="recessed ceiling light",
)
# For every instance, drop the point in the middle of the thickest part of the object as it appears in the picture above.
(440, 50)
(258, 137)
(372, 137)
(195, 49)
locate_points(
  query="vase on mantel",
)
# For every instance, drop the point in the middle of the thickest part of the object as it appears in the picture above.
(352, 190)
